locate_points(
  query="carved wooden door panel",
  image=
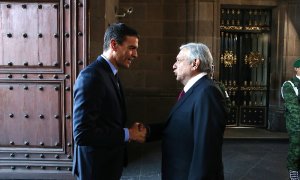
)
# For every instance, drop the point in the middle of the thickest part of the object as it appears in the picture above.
(42, 46)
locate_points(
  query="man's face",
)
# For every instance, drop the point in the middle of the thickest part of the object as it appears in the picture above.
(297, 71)
(183, 67)
(127, 51)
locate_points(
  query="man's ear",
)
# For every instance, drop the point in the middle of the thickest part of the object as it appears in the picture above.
(196, 63)
(113, 44)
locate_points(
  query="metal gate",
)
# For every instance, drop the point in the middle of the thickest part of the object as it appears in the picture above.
(244, 63)
(42, 48)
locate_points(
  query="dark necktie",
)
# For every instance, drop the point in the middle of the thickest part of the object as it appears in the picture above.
(181, 94)
(117, 80)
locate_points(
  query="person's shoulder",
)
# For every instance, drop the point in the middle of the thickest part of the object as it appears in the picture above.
(206, 80)
(92, 72)
(288, 89)
(203, 83)
(88, 70)
(97, 65)
(209, 86)
(288, 84)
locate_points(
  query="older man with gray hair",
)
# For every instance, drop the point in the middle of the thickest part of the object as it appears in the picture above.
(192, 137)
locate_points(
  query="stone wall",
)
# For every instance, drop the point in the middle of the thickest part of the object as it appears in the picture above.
(164, 25)
(150, 84)
(101, 13)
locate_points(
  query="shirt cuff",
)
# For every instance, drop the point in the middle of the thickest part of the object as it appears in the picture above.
(126, 133)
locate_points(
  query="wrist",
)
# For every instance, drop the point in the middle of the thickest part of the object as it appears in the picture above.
(130, 132)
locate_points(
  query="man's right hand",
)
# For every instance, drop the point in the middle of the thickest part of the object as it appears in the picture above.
(137, 132)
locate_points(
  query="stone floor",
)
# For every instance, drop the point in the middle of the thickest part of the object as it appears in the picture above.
(254, 133)
(257, 154)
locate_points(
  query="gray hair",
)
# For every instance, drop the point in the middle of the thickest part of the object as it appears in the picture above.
(199, 51)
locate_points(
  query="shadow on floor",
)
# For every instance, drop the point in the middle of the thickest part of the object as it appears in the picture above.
(262, 157)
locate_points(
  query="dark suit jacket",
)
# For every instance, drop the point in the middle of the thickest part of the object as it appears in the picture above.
(192, 137)
(98, 119)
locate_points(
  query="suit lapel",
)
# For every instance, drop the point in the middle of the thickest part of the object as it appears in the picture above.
(181, 101)
(119, 90)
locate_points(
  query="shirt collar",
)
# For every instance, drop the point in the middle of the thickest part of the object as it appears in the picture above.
(193, 80)
(298, 77)
(112, 67)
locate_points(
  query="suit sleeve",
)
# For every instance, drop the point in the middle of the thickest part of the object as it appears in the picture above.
(209, 125)
(88, 117)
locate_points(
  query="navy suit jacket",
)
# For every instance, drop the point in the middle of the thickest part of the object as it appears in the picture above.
(99, 116)
(192, 137)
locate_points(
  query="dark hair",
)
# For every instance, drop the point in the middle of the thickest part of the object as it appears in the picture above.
(118, 31)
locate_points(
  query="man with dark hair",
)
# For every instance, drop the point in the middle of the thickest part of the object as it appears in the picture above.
(290, 93)
(99, 114)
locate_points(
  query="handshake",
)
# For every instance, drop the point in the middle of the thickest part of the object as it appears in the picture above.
(137, 132)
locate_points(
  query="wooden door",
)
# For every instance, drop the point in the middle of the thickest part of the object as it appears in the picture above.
(42, 49)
